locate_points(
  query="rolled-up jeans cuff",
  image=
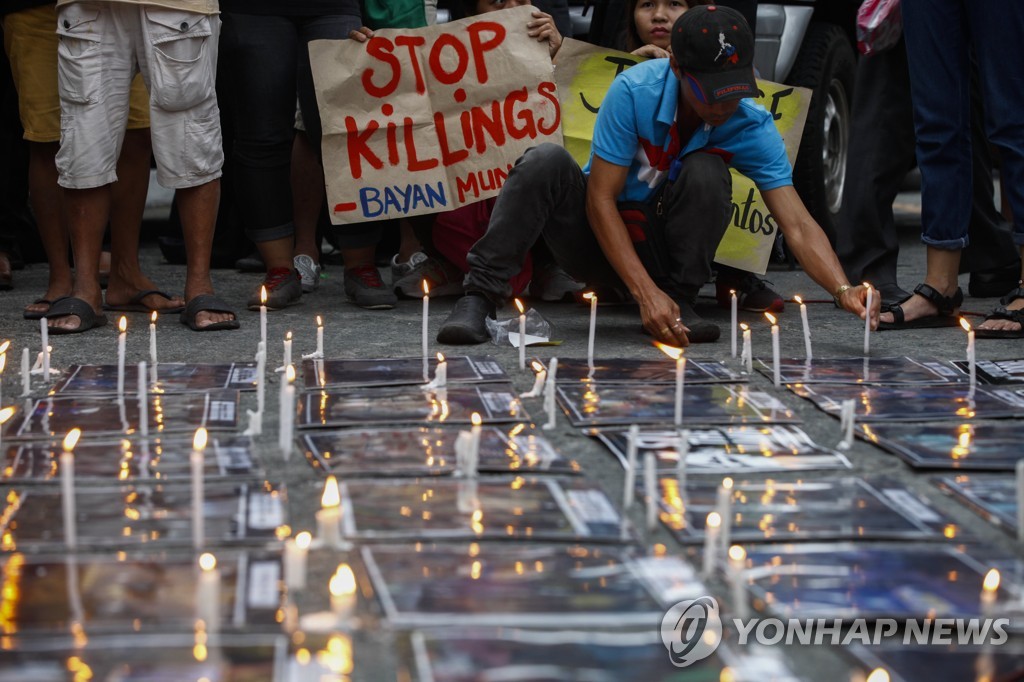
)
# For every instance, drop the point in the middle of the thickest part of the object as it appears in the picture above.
(945, 244)
(269, 234)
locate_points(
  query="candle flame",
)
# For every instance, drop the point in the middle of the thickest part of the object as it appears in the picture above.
(590, 295)
(475, 418)
(343, 582)
(152, 317)
(6, 414)
(331, 496)
(199, 440)
(866, 285)
(727, 483)
(519, 305)
(671, 351)
(737, 553)
(771, 318)
(426, 288)
(71, 439)
(714, 520)
(537, 367)
(743, 326)
(303, 539)
(289, 374)
(440, 357)
(288, 336)
(319, 321)
(122, 324)
(991, 583)
(965, 324)
(263, 294)
(4, 346)
(798, 300)
(207, 562)
(878, 675)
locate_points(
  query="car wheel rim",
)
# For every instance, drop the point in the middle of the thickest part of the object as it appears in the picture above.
(835, 138)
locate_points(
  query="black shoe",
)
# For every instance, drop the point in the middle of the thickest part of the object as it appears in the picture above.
(701, 331)
(994, 283)
(466, 325)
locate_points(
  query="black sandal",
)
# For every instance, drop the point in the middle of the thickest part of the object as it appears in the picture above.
(945, 317)
(1004, 313)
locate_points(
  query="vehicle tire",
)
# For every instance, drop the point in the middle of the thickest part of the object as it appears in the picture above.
(826, 65)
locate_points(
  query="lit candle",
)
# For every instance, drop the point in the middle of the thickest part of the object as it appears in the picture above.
(989, 588)
(425, 330)
(319, 336)
(522, 333)
(440, 379)
(152, 339)
(286, 432)
(683, 451)
(1020, 500)
(122, 336)
(343, 593)
(737, 564)
(44, 332)
(261, 379)
(733, 307)
(549, 393)
(748, 354)
(776, 368)
(328, 519)
(143, 397)
(67, 486)
(538, 380)
(711, 528)
(592, 297)
(807, 327)
(473, 458)
(677, 355)
(724, 508)
(632, 445)
(208, 592)
(867, 319)
(972, 371)
(197, 461)
(296, 552)
(26, 373)
(263, 315)
(651, 489)
(287, 355)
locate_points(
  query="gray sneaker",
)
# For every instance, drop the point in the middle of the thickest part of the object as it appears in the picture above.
(366, 289)
(400, 270)
(552, 283)
(309, 272)
(284, 288)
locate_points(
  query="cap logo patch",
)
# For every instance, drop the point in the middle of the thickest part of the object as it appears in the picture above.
(726, 50)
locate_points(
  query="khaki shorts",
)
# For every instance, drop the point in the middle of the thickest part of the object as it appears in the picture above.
(31, 45)
(102, 46)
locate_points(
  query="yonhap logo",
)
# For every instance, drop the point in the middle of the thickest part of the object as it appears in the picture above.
(691, 631)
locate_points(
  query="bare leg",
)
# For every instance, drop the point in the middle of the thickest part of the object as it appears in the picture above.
(277, 253)
(198, 207)
(942, 269)
(308, 192)
(409, 244)
(48, 206)
(128, 205)
(88, 210)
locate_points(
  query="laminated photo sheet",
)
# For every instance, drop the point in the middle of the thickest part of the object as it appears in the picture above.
(430, 451)
(368, 372)
(537, 508)
(996, 372)
(992, 446)
(951, 661)
(176, 377)
(991, 496)
(858, 580)
(848, 508)
(102, 416)
(138, 593)
(608, 371)
(140, 515)
(727, 450)
(495, 403)
(126, 460)
(951, 403)
(896, 371)
(731, 404)
(526, 585)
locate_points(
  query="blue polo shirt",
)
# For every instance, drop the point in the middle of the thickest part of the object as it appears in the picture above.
(635, 127)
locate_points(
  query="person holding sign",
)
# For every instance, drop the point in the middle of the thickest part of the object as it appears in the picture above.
(655, 199)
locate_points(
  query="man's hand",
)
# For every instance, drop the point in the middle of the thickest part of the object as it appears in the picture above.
(660, 317)
(855, 300)
(651, 52)
(361, 34)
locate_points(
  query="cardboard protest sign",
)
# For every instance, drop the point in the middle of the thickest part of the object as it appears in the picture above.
(584, 73)
(425, 120)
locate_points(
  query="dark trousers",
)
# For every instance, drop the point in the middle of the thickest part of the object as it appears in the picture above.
(881, 153)
(270, 65)
(545, 197)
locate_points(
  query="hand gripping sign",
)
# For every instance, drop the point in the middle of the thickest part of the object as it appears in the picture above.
(584, 74)
(426, 120)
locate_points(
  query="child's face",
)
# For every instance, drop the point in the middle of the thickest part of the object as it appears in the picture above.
(654, 19)
(484, 6)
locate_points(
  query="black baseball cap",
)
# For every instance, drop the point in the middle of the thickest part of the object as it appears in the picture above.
(714, 48)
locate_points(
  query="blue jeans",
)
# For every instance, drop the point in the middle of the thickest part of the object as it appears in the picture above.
(940, 35)
(269, 65)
